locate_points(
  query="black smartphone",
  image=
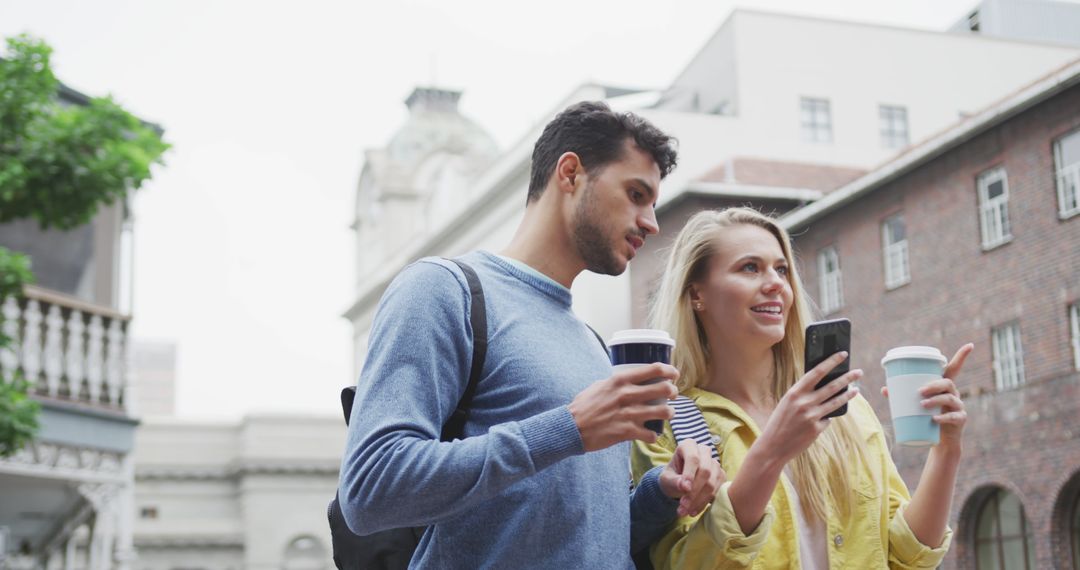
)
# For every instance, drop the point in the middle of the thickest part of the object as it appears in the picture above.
(824, 339)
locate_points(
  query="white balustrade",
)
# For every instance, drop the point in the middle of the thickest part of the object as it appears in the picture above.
(95, 362)
(67, 349)
(9, 355)
(54, 350)
(31, 341)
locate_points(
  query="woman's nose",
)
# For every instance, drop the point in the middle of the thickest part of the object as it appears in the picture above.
(773, 281)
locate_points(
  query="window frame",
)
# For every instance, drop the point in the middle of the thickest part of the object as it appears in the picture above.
(1074, 532)
(1073, 170)
(996, 209)
(1017, 377)
(891, 137)
(830, 283)
(815, 130)
(998, 539)
(899, 275)
(1074, 330)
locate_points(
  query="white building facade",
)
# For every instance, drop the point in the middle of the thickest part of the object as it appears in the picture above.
(245, 495)
(766, 86)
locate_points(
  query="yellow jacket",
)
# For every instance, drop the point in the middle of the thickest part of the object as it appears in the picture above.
(876, 536)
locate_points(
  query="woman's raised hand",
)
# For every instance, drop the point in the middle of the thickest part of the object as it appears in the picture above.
(799, 417)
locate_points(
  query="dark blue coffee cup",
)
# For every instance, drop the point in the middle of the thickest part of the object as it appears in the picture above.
(639, 347)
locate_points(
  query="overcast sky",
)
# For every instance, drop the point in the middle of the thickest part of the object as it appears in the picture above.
(243, 253)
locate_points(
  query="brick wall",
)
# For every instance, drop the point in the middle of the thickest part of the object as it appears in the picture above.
(1025, 440)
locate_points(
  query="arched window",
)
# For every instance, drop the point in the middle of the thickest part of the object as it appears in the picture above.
(1003, 539)
(1074, 532)
(305, 553)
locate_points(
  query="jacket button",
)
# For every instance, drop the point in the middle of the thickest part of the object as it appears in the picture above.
(838, 540)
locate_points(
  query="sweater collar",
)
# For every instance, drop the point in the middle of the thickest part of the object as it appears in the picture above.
(532, 277)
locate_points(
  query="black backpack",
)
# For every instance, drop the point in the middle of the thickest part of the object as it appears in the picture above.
(392, 549)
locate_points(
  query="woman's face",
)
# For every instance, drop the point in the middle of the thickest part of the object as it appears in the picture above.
(746, 293)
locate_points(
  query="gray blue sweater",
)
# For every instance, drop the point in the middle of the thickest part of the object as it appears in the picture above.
(519, 489)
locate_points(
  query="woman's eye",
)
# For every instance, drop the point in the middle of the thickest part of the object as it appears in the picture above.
(782, 270)
(749, 266)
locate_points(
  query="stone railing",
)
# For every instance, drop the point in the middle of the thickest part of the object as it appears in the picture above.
(68, 349)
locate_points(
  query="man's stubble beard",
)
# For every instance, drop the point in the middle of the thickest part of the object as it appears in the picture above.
(590, 239)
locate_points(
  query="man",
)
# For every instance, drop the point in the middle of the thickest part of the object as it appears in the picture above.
(540, 478)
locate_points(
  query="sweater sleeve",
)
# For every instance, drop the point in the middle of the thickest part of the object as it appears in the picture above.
(651, 511)
(395, 472)
(712, 539)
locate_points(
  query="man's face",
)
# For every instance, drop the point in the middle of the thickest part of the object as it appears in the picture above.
(615, 212)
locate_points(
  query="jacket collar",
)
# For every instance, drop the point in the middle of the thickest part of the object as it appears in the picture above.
(727, 415)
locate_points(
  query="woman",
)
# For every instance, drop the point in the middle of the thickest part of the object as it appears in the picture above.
(802, 491)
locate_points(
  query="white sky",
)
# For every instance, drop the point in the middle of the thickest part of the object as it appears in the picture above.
(243, 253)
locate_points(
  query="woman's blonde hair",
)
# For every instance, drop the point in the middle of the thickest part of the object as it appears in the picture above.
(688, 263)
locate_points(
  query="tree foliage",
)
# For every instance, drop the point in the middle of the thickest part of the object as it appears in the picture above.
(60, 161)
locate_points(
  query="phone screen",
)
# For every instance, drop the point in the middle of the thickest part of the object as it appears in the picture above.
(823, 340)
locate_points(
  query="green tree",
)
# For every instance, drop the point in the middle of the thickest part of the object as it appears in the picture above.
(59, 164)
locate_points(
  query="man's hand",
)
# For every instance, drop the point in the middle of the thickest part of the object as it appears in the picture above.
(615, 410)
(692, 476)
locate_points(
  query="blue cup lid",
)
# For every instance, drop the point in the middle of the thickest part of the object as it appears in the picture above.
(641, 336)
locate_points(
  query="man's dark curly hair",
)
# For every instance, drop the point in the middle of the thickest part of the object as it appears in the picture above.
(597, 135)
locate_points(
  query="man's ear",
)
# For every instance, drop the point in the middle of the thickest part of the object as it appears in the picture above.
(569, 173)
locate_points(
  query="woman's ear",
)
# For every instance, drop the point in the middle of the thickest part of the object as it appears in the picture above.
(694, 293)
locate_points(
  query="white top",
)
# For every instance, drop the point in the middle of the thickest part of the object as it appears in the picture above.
(813, 552)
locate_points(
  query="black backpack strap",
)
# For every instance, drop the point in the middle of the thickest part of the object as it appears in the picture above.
(689, 423)
(348, 394)
(599, 338)
(455, 426)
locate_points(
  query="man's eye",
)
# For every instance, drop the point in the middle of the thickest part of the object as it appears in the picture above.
(636, 195)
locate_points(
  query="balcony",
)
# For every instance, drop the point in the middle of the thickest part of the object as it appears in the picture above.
(71, 351)
(67, 496)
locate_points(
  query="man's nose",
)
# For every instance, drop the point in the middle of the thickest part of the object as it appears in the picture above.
(647, 222)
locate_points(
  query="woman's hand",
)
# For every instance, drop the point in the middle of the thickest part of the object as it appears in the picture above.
(799, 417)
(796, 422)
(944, 393)
(692, 476)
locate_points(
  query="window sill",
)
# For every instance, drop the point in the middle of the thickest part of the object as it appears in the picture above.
(895, 286)
(1062, 216)
(987, 247)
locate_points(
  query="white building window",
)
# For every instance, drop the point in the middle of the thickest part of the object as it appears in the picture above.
(994, 208)
(832, 288)
(894, 240)
(1067, 167)
(1008, 357)
(892, 123)
(816, 120)
(1074, 326)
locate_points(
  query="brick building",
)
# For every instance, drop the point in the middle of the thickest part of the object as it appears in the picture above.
(971, 235)
(974, 235)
